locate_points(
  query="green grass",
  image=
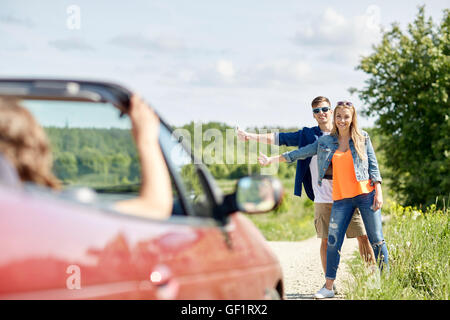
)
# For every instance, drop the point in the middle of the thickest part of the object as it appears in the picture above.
(292, 221)
(418, 244)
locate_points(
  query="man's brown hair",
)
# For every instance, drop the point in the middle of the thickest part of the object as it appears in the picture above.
(318, 100)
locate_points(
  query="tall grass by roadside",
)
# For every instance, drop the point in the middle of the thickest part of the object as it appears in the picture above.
(293, 220)
(418, 244)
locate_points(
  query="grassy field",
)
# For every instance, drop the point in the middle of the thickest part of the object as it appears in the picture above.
(292, 221)
(418, 244)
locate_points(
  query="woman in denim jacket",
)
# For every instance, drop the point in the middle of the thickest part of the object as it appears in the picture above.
(356, 183)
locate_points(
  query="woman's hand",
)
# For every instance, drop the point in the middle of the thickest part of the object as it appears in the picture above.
(378, 199)
(263, 159)
(155, 194)
(145, 123)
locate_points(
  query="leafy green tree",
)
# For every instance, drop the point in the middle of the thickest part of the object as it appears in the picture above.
(120, 164)
(408, 89)
(65, 166)
(90, 161)
(135, 169)
(70, 140)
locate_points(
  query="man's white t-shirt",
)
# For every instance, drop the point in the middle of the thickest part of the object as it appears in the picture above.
(324, 193)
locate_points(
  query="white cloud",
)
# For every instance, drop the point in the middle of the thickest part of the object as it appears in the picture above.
(72, 43)
(342, 38)
(13, 20)
(225, 68)
(332, 28)
(282, 71)
(147, 43)
(224, 73)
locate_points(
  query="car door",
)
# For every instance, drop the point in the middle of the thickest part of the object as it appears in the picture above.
(201, 259)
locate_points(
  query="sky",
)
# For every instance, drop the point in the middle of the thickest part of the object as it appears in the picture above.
(74, 114)
(246, 63)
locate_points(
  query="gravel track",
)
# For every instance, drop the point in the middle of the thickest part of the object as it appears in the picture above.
(302, 269)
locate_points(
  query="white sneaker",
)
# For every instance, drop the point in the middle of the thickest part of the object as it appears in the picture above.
(324, 293)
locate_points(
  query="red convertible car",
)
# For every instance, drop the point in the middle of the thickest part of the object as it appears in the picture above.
(73, 244)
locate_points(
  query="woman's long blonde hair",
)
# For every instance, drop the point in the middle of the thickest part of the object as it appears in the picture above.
(24, 143)
(356, 135)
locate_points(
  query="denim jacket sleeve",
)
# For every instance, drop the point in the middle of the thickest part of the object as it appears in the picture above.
(374, 171)
(302, 153)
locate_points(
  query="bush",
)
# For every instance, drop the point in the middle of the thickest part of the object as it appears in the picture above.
(285, 204)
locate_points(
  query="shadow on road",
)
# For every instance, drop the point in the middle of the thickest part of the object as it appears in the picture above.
(309, 296)
(299, 296)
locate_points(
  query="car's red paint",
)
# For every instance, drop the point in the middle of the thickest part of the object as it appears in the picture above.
(47, 242)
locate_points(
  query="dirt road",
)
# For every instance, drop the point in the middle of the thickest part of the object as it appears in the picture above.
(303, 274)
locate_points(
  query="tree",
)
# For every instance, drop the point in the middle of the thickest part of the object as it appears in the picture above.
(65, 166)
(90, 161)
(408, 89)
(135, 170)
(120, 163)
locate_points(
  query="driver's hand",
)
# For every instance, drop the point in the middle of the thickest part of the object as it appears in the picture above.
(143, 119)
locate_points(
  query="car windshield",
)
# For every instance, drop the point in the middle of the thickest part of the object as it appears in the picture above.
(91, 144)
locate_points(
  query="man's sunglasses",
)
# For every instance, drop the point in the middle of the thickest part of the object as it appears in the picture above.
(324, 109)
(345, 103)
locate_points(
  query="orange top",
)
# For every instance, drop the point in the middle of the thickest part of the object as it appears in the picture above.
(345, 184)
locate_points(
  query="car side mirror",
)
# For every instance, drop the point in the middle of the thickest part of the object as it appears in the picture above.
(258, 194)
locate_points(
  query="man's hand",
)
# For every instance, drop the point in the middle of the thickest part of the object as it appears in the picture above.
(242, 135)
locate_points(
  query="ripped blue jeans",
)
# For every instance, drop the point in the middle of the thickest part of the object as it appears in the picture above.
(341, 214)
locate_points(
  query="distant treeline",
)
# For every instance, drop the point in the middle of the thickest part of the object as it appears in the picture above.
(90, 156)
(108, 156)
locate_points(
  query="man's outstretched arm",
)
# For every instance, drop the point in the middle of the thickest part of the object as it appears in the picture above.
(268, 138)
